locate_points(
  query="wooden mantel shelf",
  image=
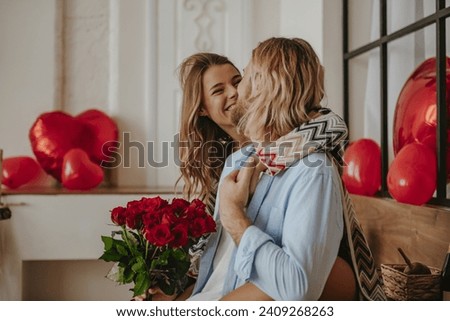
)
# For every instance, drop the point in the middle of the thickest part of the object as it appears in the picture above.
(422, 231)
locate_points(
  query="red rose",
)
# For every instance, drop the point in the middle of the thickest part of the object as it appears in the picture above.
(210, 224)
(196, 209)
(134, 214)
(202, 225)
(168, 216)
(151, 218)
(118, 215)
(197, 227)
(179, 205)
(159, 235)
(198, 204)
(154, 203)
(180, 234)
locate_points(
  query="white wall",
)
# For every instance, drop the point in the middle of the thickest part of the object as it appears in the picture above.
(28, 73)
(319, 22)
(113, 55)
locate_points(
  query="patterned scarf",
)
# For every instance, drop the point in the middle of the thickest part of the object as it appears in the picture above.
(327, 133)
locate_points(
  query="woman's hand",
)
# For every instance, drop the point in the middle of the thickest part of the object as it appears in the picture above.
(158, 295)
(234, 196)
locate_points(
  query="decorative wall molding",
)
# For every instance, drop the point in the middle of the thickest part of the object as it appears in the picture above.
(205, 21)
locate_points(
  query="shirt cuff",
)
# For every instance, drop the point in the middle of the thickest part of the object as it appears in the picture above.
(252, 239)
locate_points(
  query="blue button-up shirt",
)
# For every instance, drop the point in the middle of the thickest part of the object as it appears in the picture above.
(293, 243)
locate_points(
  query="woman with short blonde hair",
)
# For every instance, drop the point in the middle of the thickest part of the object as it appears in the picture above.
(288, 92)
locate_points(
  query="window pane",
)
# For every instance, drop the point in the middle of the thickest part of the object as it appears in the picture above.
(363, 22)
(364, 96)
(412, 101)
(401, 13)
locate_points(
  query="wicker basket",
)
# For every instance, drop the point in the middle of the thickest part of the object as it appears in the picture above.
(401, 286)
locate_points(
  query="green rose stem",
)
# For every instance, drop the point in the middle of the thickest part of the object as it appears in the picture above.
(127, 241)
(146, 250)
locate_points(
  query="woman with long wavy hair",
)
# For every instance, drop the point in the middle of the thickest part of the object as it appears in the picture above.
(207, 135)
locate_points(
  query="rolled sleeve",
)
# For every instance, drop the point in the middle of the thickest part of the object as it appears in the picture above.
(252, 239)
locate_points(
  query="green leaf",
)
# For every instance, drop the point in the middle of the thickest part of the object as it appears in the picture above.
(128, 275)
(179, 254)
(121, 249)
(111, 256)
(139, 265)
(153, 264)
(142, 283)
(108, 241)
(162, 261)
(117, 243)
(121, 277)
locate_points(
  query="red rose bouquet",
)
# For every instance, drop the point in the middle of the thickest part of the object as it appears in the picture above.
(152, 247)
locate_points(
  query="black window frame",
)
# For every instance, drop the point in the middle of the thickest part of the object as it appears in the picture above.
(437, 18)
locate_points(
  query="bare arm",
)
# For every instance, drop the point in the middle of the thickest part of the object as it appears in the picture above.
(247, 292)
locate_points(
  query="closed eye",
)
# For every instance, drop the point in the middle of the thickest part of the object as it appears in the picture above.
(217, 91)
(236, 81)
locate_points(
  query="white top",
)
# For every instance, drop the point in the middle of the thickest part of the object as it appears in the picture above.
(214, 286)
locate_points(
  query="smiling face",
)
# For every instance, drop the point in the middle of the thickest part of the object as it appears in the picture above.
(220, 94)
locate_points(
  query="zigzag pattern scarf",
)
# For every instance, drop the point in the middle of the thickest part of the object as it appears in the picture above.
(327, 133)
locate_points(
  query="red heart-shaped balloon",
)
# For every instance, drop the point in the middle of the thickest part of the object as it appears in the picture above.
(105, 134)
(412, 175)
(53, 134)
(362, 170)
(79, 172)
(415, 115)
(18, 171)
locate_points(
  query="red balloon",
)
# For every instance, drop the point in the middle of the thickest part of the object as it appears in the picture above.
(412, 176)
(105, 134)
(79, 172)
(362, 171)
(415, 115)
(55, 133)
(52, 135)
(18, 171)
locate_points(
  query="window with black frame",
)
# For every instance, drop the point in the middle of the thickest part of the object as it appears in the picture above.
(396, 75)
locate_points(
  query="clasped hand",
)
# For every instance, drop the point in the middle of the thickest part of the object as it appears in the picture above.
(235, 192)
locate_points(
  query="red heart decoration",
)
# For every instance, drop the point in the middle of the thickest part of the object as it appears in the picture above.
(362, 170)
(105, 134)
(79, 172)
(53, 134)
(18, 171)
(415, 113)
(412, 176)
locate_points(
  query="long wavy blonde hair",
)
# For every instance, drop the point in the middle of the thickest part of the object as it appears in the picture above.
(287, 84)
(204, 146)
